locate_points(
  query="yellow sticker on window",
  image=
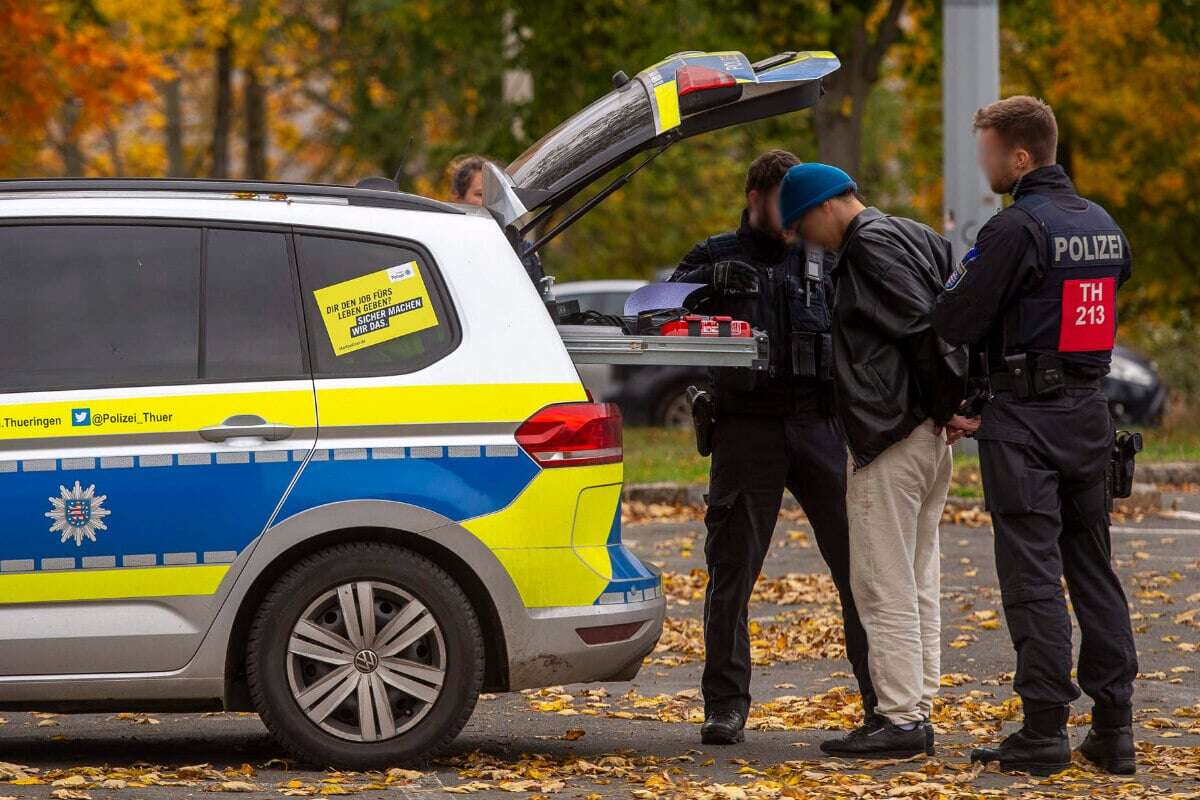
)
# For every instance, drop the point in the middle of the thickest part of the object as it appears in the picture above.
(376, 308)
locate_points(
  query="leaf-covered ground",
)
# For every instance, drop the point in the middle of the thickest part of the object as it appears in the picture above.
(641, 739)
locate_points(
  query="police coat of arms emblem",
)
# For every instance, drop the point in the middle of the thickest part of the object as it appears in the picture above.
(77, 513)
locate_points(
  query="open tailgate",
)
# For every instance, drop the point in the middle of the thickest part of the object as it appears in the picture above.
(684, 95)
(681, 96)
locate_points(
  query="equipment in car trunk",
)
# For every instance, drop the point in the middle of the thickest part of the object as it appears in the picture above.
(700, 325)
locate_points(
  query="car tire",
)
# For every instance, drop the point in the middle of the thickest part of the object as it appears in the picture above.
(309, 645)
(672, 409)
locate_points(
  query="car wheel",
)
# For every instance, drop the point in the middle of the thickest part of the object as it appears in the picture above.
(673, 409)
(365, 655)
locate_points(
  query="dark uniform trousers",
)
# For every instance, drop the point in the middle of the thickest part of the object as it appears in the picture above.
(1043, 464)
(754, 458)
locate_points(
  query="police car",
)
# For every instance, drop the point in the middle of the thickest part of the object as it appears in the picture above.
(319, 451)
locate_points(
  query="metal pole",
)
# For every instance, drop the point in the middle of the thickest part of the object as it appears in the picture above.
(970, 79)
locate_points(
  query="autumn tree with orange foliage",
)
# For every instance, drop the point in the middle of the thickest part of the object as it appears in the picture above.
(62, 79)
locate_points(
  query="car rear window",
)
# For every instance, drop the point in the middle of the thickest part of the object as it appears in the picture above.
(372, 307)
(99, 305)
(94, 305)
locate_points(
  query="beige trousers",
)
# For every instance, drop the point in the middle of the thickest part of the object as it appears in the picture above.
(895, 505)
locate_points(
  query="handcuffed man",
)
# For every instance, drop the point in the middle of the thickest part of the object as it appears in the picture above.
(897, 388)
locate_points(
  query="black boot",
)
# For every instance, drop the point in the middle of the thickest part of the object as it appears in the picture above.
(1109, 744)
(879, 738)
(723, 727)
(1040, 748)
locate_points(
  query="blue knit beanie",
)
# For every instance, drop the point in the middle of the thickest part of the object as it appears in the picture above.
(806, 186)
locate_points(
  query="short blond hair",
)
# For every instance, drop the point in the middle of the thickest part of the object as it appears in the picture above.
(1025, 122)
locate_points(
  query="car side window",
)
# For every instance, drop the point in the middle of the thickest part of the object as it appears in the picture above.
(98, 305)
(251, 322)
(372, 308)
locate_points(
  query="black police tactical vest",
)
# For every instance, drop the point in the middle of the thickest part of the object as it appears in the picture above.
(1072, 312)
(790, 306)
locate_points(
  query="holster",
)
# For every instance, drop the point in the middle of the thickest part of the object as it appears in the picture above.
(703, 418)
(979, 387)
(1126, 446)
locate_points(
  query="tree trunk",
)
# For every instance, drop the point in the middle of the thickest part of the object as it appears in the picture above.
(222, 109)
(254, 103)
(838, 118)
(68, 148)
(113, 140)
(173, 102)
(838, 125)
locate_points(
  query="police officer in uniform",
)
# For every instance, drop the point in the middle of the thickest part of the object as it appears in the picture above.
(773, 430)
(1037, 295)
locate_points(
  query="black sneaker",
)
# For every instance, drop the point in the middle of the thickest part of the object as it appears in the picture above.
(879, 738)
(1025, 751)
(871, 723)
(723, 727)
(928, 726)
(1111, 749)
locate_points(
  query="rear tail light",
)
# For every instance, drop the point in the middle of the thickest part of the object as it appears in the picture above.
(701, 88)
(695, 78)
(573, 435)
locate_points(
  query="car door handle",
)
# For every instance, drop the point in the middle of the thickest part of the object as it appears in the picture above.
(246, 426)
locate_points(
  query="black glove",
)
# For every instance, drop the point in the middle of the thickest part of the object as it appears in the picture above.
(734, 277)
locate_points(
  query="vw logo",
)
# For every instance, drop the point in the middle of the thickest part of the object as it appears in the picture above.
(366, 661)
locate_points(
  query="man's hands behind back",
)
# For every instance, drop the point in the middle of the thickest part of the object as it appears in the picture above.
(960, 426)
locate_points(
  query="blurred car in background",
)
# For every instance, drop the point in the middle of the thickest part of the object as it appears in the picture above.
(652, 395)
(1136, 394)
(658, 395)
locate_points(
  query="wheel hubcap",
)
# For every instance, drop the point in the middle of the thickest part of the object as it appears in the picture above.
(678, 413)
(366, 661)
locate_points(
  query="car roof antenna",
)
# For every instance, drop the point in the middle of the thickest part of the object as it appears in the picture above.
(403, 162)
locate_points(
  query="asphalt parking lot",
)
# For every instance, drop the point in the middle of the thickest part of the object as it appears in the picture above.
(641, 739)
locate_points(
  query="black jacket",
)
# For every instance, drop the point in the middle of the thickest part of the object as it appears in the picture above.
(775, 391)
(891, 371)
(1005, 263)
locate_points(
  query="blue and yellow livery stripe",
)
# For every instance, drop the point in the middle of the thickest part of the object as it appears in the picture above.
(175, 521)
(367, 405)
(148, 415)
(457, 482)
(806, 66)
(476, 402)
(111, 584)
(556, 531)
(555, 538)
(666, 101)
